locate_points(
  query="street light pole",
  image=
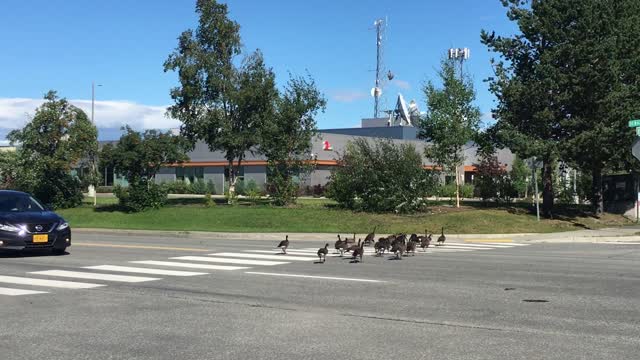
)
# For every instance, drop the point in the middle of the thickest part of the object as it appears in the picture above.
(93, 161)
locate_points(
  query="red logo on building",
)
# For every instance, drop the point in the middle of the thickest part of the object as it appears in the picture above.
(326, 146)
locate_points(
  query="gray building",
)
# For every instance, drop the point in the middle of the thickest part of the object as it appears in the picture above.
(211, 166)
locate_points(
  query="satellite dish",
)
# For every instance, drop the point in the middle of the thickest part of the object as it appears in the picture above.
(403, 109)
(376, 92)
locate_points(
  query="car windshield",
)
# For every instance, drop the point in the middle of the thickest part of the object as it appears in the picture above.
(19, 203)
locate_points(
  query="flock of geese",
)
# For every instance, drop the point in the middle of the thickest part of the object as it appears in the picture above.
(399, 244)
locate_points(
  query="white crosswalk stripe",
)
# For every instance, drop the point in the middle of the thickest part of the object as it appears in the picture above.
(18, 292)
(291, 253)
(223, 261)
(94, 276)
(264, 257)
(46, 283)
(190, 265)
(229, 261)
(140, 270)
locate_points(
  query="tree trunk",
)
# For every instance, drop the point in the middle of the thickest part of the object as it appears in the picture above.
(597, 200)
(457, 189)
(547, 189)
(232, 183)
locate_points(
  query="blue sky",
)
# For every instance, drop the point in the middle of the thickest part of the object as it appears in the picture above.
(64, 45)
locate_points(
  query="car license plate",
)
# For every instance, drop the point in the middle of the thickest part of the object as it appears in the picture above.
(41, 238)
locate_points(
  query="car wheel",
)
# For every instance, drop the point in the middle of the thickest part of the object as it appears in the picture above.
(59, 251)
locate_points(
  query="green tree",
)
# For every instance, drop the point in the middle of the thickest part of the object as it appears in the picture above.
(519, 175)
(380, 176)
(58, 138)
(527, 84)
(139, 157)
(286, 140)
(600, 67)
(222, 104)
(489, 175)
(451, 121)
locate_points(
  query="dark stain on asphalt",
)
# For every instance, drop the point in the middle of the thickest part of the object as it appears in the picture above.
(535, 301)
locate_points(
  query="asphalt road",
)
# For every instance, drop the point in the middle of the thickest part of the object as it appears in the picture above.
(444, 304)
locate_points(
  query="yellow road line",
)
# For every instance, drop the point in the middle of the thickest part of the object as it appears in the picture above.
(139, 247)
(489, 241)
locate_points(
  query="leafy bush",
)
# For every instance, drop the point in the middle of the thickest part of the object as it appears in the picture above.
(244, 187)
(211, 187)
(104, 189)
(315, 191)
(208, 200)
(381, 175)
(198, 187)
(141, 195)
(176, 187)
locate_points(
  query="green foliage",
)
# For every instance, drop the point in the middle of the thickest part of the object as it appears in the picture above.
(449, 190)
(211, 187)
(176, 187)
(219, 102)
(519, 176)
(451, 120)
(286, 141)
(141, 195)
(490, 177)
(58, 137)
(381, 175)
(139, 156)
(104, 189)
(208, 201)
(198, 187)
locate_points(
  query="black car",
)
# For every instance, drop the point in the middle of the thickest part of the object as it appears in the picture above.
(26, 224)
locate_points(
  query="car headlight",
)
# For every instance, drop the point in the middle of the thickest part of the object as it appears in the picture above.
(9, 228)
(63, 226)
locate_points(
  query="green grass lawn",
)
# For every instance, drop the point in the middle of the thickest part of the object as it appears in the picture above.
(319, 215)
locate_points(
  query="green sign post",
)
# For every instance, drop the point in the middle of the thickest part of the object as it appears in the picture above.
(634, 123)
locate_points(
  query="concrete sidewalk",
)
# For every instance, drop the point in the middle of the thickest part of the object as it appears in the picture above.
(608, 235)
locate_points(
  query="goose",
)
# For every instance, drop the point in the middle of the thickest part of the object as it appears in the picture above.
(354, 247)
(339, 243)
(381, 246)
(322, 253)
(399, 249)
(426, 241)
(351, 240)
(371, 236)
(284, 244)
(358, 252)
(442, 238)
(411, 247)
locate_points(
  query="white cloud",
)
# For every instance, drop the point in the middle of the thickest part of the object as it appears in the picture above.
(348, 96)
(402, 84)
(16, 112)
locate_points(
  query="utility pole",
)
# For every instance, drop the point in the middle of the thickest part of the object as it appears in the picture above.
(459, 55)
(93, 161)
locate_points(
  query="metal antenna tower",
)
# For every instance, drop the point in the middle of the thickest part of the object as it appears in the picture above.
(376, 92)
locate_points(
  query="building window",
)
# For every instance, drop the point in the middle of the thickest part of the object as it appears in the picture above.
(192, 173)
(239, 175)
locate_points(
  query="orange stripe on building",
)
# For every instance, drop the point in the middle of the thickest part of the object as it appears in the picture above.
(245, 163)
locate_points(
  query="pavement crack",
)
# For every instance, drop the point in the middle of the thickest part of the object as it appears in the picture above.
(414, 321)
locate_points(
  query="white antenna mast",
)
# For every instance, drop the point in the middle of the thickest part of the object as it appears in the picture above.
(376, 92)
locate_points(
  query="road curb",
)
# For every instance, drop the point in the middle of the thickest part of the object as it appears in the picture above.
(480, 238)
